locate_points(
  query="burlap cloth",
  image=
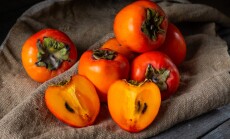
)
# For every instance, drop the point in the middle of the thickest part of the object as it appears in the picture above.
(205, 79)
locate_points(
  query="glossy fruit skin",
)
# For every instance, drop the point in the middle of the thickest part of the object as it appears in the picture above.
(158, 60)
(123, 104)
(128, 23)
(79, 90)
(174, 45)
(102, 73)
(113, 44)
(30, 51)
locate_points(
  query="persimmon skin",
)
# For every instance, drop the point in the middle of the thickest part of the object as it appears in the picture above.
(174, 45)
(127, 27)
(158, 60)
(113, 44)
(122, 104)
(78, 91)
(29, 55)
(102, 73)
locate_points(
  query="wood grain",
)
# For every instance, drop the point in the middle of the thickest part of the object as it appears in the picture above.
(201, 126)
(221, 132)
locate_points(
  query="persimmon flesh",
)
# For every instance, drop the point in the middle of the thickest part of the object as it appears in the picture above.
(76, 103)
(133, 106)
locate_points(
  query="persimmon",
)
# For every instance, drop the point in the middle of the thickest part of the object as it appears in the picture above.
(132, 105)
(74, 102)
(48, 53)
(141, 26)
(103, 67)
(159, 68)
(113, 44)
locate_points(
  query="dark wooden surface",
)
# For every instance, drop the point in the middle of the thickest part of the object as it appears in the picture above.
(212, 125)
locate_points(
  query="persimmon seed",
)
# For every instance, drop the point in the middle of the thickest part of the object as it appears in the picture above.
(138, 106)
(69, 108)
(144, 108)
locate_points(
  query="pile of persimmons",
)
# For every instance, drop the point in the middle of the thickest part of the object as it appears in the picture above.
(131, 73)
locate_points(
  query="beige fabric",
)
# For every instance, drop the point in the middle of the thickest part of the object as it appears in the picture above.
(205, 79)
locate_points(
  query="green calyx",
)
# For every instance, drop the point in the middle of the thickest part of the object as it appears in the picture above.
(151, 26)
(157, 76)
(104, 54)
(51, 53)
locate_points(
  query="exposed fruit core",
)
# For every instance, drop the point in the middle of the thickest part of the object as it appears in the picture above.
(73, 104)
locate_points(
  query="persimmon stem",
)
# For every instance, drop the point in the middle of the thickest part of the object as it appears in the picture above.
(152, 25)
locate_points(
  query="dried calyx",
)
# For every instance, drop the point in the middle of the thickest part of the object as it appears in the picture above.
(136, 83)
(61, 83)
(104, 54)
(151, 26)
(158, 76)
(133, 82)
(51, 53)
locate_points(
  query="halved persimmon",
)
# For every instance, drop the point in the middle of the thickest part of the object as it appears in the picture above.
(134, 106)
(114, 45)
(76, 102)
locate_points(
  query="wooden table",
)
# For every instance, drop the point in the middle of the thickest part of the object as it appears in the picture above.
(212, 125)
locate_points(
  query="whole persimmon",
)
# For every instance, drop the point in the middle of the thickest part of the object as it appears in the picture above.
(113, 44)
(47, 54)
(132, 105)
(174, 45)
(103, 67)
(74, 102)
(141, 26)
(159, 68)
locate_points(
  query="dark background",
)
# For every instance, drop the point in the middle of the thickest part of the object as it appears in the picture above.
(10, 10)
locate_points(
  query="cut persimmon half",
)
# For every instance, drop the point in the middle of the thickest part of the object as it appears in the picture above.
(133, 106)
(74, 102)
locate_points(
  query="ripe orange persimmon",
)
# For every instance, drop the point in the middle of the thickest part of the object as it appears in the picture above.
(76, 102)
(133, 106)
(47, 54)
(113, 44)
(103, 67)
(141, 26)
